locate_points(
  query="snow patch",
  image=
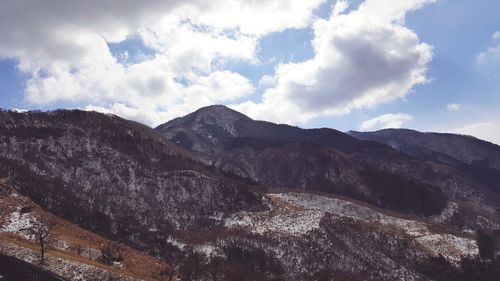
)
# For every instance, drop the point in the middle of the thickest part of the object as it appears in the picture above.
(72, 270)
(449, 245)
(177, 243)
(207, 250)
(18, 223)
(295, 223)
(343, 208)
(447, 213)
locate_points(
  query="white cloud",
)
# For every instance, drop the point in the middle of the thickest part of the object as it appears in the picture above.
(266, 81)
(362, 58)
(490, 59)
(496, 35)
(490, 56)
(454, 106)
(385, 121)
(168, 99)
(258, 17)
(63, 46)
(482, 130)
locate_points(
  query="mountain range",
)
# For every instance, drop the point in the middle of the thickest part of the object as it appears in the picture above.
(221, 196)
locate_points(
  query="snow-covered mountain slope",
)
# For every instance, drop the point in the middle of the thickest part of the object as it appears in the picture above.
(72, 252)
(115, 177)
(298, 214)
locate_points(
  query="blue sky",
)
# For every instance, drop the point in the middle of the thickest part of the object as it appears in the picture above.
(350, 65)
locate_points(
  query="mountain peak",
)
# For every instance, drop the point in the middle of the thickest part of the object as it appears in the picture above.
(219, 111)
(205, 128)
(215, 107)
(214, 115)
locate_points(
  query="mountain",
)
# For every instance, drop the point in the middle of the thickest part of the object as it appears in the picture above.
(283, 157)
(112, 176)
(220, 196)
(450, 147)
(74, 253)
(217, 128)
(479, 159)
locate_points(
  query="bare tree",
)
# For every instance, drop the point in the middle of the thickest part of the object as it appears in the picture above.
(111, 252)
(164, 273)
(42, 230)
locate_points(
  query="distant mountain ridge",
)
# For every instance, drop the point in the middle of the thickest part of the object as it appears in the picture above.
(479, 159)
(318, 160)
(464, 148)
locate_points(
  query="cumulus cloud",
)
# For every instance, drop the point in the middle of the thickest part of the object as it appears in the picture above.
(266, 81)
(482, 130)
(63, 46)
(454, 106)
(490, 59)
(362, 58)
(496, 35)
(385, 121)
(168, 99)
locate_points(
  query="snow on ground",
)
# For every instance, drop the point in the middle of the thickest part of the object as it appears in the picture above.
(297, 214)
(449, 245)
(294, 223)
(447, 213)
(177, 243)
(70, 269)
(208, 250)
(343, 208)
(18, 223)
